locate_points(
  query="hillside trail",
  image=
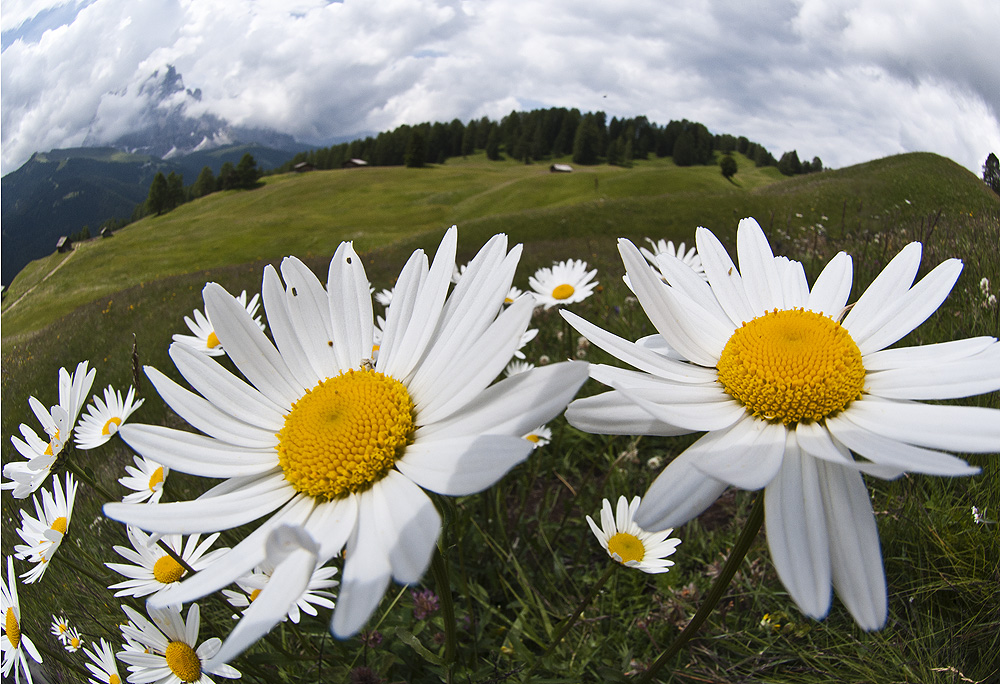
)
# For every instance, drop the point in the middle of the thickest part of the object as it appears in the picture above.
(47, 276)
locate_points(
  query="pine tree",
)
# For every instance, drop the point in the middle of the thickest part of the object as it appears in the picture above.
(991, 172)
(789, 164)
(585, 144)
(205, 185)
(493, 144)
(156, 201)
(416, 151)
(175, 190)
(227, 177)
(247, 173)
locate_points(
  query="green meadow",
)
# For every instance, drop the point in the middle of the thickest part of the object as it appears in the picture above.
(520, 555)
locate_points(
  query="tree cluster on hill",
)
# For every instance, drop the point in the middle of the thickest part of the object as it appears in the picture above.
(168, 192)
(541, 134)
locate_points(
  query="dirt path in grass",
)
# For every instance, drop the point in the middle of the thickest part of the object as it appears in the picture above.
(47, 276)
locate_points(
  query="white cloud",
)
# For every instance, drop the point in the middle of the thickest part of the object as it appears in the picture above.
(848, 80)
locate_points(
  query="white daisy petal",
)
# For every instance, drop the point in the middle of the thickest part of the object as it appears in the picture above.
(943, 352)
(855, 555)
(408, 525)
(206, 515)
(225, 390)
(966, 377)
(760, 276)
(238, 560)
(796, 531)
(202, 415)
(674, 315)
(887, 451)
(351, 311)
(748, 454)
(877, 304)
(960, 428)
(613, 413)
(198, 454)
(250, 350)
(911, 308)
(294, 565)
(309, 313)
(638, 356)
(283, 331)
(833, 286)
(459, 466)
(724, 277)
(678, 494)
(516, 404)
(366, 574)
(701, 414)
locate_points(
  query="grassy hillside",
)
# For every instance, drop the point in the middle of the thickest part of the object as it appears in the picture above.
(942, 569)
(312, 213)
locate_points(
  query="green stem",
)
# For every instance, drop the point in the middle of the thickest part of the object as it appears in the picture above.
(188, 570)
(717, 590)
(83, 477)
(571, 620)
(440, 571)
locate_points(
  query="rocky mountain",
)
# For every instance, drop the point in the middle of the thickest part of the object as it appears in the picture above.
(59, 192)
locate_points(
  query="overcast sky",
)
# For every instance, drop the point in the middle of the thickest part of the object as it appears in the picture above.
(845, 80)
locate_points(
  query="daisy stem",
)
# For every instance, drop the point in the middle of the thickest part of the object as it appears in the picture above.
(717, 590)
(440, 570)
(176, 556)
(84, 477)
(571, 620)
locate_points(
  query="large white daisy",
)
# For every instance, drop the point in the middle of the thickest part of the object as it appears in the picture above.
(565, 282)
(629, 544)
(16, 646)
(204, 338)
(171, 652)
(153, 570)
(145, 480)
(43, 534)
(103, 418)
(786, 393)
(325, 437)
(103, 665)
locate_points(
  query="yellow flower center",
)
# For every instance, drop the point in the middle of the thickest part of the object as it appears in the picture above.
(564, 291)
(254, 594)
(75, 642)
(111, 427)
(345, 434)
(212, 341)
(627, 546)
(114, 679)
(167, 570)
(183, 661)
(13, 629)
(53, 444)
(533, 438)
(156, 478)
(792, 366)
(59, 524)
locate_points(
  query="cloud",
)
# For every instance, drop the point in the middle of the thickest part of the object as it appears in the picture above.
(848, 80)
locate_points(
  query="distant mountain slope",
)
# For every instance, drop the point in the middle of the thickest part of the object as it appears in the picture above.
(59, 192)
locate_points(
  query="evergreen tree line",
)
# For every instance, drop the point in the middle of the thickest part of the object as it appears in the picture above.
(545, 134)
(168, 192)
